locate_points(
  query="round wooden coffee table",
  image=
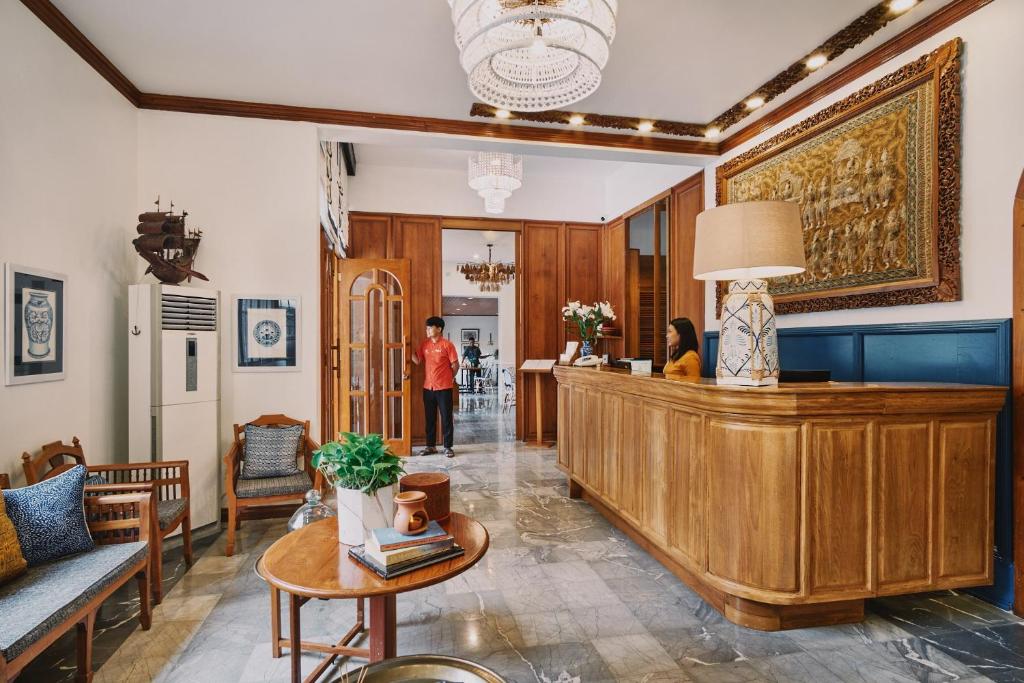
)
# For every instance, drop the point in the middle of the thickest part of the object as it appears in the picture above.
(311, 563)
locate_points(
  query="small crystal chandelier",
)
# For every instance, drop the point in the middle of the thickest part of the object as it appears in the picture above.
(494, 175)
(533, 55)
(490, 276)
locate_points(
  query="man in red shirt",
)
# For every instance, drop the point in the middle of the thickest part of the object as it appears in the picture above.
(441, 360)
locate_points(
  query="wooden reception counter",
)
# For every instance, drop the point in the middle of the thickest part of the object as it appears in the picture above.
(787, 506)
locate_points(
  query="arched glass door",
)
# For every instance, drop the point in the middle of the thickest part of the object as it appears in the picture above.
(373, 396)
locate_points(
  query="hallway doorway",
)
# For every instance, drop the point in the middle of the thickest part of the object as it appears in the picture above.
(479, 307)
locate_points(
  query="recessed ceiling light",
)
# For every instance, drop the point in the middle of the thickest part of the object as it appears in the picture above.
(576, 119)
(900, 6)
(470, 298)
(712, 132)
(816, 61)
(503, 113)
(476, 255)
(755, 102)
(646, 126)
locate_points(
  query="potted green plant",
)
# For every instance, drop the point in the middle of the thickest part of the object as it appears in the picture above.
(363, 472)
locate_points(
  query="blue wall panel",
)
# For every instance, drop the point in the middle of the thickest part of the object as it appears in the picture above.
(973, 352)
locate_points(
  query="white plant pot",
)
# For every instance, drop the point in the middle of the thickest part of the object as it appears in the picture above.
(358, 513)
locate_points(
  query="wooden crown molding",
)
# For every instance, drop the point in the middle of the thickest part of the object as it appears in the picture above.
(922, 30)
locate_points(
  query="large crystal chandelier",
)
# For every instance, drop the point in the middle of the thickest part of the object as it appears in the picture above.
(533, 55)
(490, 276)
(494, 175)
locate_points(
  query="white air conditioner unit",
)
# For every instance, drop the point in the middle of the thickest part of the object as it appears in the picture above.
(174, 386)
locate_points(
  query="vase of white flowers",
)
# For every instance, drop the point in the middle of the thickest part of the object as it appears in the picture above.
(588, 321)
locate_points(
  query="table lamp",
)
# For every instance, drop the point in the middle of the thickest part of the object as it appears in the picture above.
(746, 243)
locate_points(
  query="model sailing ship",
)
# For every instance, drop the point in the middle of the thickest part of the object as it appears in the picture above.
(168, 246)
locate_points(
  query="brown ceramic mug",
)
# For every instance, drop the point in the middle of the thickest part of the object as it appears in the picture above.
(411, 518)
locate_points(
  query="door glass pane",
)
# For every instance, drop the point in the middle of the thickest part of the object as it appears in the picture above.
(375, 358)
(395, 322)
(358, 417)
(360, 284)
(396, 367)
(357, 366)
(390, 282)
(395, 417)
(357, 321)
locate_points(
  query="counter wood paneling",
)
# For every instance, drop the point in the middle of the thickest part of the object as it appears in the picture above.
(787, 506)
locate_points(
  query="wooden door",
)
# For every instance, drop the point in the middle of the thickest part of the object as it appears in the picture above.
(374, 388)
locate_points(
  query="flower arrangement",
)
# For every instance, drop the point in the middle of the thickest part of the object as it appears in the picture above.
(588, 320)
(361, 463)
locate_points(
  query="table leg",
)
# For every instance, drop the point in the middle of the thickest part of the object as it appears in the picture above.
(275, 622)
(383, 628)
(294, 605)
(540, 414)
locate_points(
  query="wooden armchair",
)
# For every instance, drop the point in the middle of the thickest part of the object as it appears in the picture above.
(167, 480)
(246, 497)
(112, 519)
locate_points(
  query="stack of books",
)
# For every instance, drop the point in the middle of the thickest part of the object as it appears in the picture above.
(389, 553)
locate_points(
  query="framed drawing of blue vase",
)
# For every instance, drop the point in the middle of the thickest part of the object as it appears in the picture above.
(34, 325)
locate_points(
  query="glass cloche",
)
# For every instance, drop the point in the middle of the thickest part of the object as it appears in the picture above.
(312, 511)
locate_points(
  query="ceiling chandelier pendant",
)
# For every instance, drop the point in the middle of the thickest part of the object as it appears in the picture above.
(494, 176)
(490, 276)
(533, 55)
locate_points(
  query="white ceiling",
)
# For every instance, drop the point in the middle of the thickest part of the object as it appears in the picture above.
(460, 246)
(458, 159)
(685, 60)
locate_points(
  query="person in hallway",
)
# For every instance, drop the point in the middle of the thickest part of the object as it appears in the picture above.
(471, 356)
(684, 360)
(441, 360)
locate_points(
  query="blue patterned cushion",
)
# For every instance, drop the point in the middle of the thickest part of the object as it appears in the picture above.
(95, 480)
(44, 597)
(50, 517)
(270, 451)
(167, 510)
(273, 486)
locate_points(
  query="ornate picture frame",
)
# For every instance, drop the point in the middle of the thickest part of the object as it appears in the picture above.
(266, 334)
(35, 325)
(877, 177)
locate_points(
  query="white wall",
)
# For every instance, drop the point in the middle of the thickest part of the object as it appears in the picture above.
(992, 156)
(67, 202)
(443, 191)
(251, 186)
(633, 184)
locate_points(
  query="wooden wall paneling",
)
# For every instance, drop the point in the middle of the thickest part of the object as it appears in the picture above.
(686, 295)
(905, 495)
(631, 305)
(840, 495)
(542, 325)
(611, 448)
(631, 462)
(765, 460)
(369, 235)
(594, 450)
(688, 535)
(419, 240)
(565, 430)
(1018, 398)
(658, 502)
(965, 503)
(613, 277)
(328, 340)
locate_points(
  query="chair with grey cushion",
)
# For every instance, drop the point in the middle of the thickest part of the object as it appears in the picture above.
(267, 470)
(167, 479)
(50, 599)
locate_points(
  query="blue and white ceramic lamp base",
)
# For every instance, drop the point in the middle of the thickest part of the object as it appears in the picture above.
(748, 349)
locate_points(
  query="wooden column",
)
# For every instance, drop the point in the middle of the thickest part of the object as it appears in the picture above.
(1018, 399)
(685, 295)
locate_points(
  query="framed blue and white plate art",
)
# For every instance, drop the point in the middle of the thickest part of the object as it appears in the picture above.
(266, 334)
(34, 325)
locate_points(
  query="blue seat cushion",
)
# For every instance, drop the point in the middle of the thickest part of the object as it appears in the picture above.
(45, 596)
(167, 510)
(49, 517)
(273, 486)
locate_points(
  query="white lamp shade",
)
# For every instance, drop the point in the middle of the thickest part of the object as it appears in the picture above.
(749, 240)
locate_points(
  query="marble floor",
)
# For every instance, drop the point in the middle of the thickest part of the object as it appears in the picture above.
(479, 419)
(560, 596)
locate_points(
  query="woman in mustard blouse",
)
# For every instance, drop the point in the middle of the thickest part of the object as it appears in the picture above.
(683, 360)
